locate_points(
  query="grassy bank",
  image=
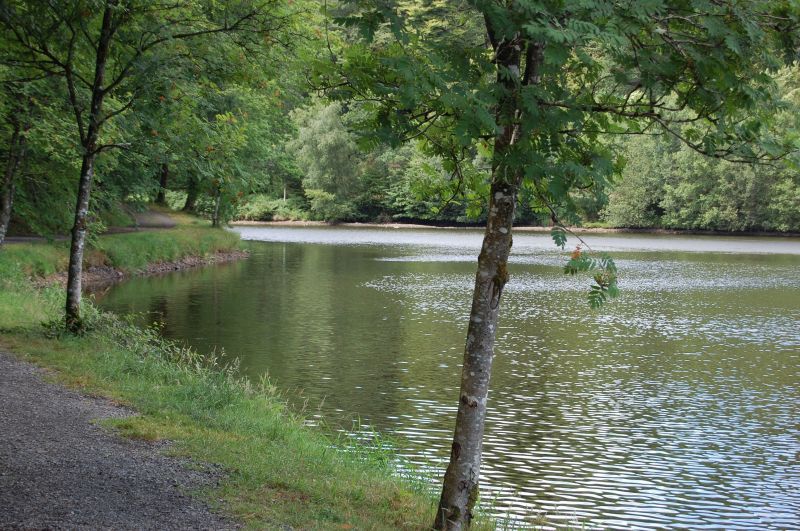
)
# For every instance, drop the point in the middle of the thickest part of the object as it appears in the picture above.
(127, 252)
(278, 471)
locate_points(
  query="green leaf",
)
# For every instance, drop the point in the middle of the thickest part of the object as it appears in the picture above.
(559, 236)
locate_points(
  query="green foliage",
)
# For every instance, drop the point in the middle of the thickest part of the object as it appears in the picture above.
(328, 158)
(603, 270)
(261, 207)
(606, 69)
(668, 185)
(559, 236)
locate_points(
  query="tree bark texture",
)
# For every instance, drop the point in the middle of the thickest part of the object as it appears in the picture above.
(77, 246)
(460, 486)
(163, 178)
(73, 320)
(15, 154)
(460, 489)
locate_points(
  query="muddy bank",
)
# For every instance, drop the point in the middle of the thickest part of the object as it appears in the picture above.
(521, 228)
(96, 278)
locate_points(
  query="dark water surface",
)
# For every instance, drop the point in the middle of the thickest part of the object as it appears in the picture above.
(676, 406)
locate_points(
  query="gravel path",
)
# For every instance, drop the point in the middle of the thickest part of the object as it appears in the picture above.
(59, 470)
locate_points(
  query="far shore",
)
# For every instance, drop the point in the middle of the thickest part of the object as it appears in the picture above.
(521, 228)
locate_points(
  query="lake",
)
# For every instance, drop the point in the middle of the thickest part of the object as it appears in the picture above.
(676, 405)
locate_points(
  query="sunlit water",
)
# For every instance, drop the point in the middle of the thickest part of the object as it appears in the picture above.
(675, 406)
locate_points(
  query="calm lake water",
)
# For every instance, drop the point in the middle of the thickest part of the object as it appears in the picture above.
(675, 406)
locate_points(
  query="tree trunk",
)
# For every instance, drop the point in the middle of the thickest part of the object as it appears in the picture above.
(77, 246)
(15, 149)
(215, 216)
(73, 320)
(460, 487)
(191, 196)
(161, 198)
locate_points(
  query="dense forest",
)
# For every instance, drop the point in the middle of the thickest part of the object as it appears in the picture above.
(218, 112)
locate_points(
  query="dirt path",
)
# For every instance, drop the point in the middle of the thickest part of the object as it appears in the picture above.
(153, 219)
(59, 470)
(147, 220)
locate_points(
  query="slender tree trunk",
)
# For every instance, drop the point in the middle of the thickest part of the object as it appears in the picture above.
(15, 148)
(77, 245)
(215, 216)
(460, 486)
(73, 320)
(460, 489)
(161, 199)
(191, 196)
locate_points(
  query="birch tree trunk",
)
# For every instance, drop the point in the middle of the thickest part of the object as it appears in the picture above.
(73, 320)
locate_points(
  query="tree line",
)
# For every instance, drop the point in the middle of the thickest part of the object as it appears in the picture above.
(224, 121)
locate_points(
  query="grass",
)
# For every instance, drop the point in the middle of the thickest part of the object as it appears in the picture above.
(33, 259)
(128, 251)
(134, 251)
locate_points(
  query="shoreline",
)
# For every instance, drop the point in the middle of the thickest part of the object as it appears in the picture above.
(96, 278)
(521, 228)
